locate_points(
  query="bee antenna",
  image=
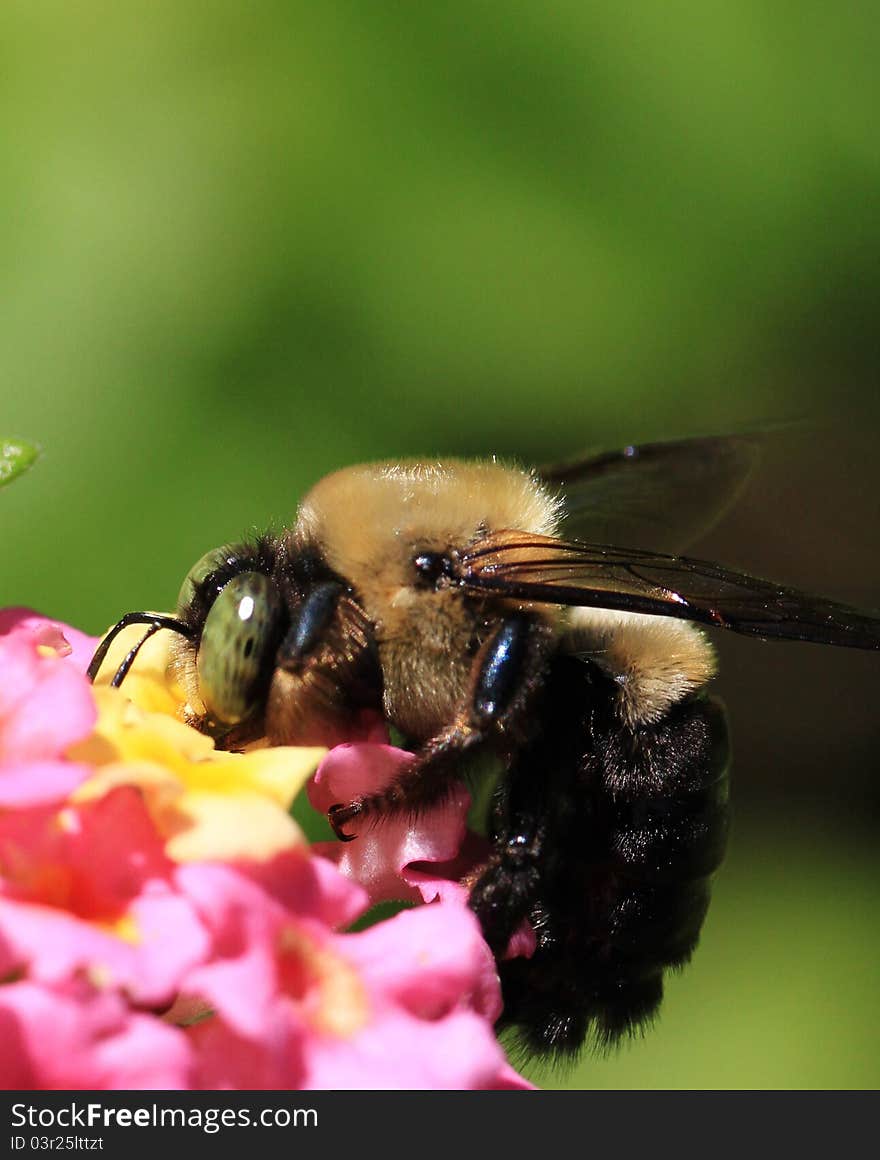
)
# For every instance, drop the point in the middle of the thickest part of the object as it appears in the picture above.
(155, 620)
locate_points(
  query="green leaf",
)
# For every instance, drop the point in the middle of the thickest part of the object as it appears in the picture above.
(15, 458)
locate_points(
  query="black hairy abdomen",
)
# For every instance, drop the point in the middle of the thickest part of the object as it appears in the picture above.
(605, 838)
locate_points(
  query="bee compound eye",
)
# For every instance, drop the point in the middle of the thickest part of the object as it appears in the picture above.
(212, 561)
(237, 647)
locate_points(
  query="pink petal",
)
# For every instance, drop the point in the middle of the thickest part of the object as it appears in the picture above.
(441, 884)
(100, 853)
(20, 669)
(348, 771)
(51, 946)
(395, 1051)
(67, 641)
(227, 1060)
(38, 783)
(310, 887)
(382, 848)
(421, 859)
(243, 981)
(73, 1038)
(430, 984)
(45, 704)
(428, 960)
(508, 1079)
(90, 889)
(240, 980)
(59, 711)
(401, 1053)
(443, 880)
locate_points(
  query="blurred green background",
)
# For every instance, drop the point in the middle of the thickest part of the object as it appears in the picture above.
(245, 244)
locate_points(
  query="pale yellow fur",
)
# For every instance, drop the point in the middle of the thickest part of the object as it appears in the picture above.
(353, 509)
(655, 661)
(371, 521)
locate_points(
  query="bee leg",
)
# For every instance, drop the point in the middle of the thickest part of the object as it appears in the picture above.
(531, 803)
(505, 676)
(509, 886)
(339, 816)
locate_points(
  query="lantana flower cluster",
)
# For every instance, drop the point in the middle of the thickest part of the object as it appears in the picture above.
(164, 922)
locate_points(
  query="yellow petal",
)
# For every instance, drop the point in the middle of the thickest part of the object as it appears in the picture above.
(207, 803)
(210, 827)
(278, 773)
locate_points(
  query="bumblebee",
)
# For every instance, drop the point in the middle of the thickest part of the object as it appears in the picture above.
(481, 610)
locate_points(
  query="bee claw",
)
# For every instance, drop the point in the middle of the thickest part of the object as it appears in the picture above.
(338, 815)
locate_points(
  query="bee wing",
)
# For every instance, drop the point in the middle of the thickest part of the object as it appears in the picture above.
(545, 570)
(657, 495)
